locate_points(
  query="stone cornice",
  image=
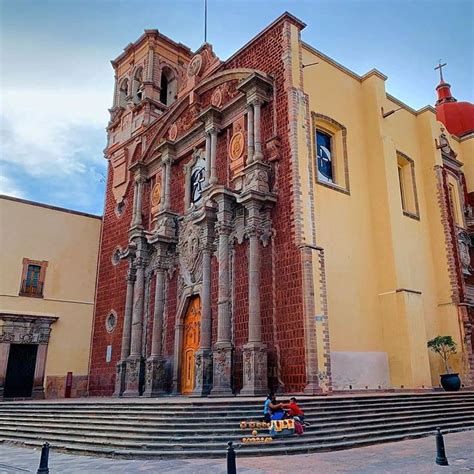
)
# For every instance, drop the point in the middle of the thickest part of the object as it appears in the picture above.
(150, 35)
(47, 206)
(28, 318)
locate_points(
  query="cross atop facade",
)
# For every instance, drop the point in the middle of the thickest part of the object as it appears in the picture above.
(440, 67)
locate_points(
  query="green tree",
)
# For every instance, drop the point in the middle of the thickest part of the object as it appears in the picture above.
(445, 347)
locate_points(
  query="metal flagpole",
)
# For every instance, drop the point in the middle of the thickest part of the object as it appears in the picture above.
(205, 21)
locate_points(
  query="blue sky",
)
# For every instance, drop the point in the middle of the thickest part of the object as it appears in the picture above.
(57, 82)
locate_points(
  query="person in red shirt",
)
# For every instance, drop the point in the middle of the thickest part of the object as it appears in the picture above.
(294, 410)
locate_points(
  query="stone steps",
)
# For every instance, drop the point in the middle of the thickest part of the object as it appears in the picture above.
(193, 418)
(193, 422)
(141, 435)
(180, 428)
(320, 438)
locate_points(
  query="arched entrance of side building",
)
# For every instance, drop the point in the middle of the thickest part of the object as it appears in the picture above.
(191, 341)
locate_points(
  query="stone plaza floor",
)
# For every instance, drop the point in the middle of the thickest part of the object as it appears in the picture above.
(411, 456)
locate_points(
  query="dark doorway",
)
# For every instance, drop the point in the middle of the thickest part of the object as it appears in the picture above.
(20, 370)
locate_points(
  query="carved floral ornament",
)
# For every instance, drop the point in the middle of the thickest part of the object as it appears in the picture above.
(236, 146)
(195, 65)
(216, 98)
(156, 194)
(173, 132)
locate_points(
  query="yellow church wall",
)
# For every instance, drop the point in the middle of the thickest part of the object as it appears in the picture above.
(69, 242)
(387, 276)
(343, 221)
(466, 148)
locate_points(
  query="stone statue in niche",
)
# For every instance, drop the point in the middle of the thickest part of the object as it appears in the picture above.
(464, 244)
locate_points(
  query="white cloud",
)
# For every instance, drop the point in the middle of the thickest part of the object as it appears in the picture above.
(8, 187)
(51, 145)
(38, 122)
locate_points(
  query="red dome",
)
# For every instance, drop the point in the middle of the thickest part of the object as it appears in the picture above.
(458, 117)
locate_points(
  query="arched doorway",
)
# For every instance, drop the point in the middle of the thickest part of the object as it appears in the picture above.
(191, 340)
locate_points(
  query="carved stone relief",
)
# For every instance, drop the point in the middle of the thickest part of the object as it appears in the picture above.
(189, 252)
(464, 244)
(20, 329)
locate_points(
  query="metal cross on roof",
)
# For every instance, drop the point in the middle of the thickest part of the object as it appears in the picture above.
(440, 67)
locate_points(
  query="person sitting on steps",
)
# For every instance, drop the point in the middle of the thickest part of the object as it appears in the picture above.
(272, 408)
(294, 411)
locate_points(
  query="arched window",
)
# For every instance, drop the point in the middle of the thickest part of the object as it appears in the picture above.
(123, 93)
(168, 86)
(138, 85)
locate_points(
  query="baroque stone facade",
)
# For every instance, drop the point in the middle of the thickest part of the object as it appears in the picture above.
(203, 191)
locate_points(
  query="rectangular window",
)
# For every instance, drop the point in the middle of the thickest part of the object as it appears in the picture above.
(33, 278)
(407, 184)
(330, 166)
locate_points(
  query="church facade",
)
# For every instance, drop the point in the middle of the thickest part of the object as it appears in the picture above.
(275, 221)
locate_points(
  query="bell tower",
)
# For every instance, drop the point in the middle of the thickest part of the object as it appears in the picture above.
(148, 76)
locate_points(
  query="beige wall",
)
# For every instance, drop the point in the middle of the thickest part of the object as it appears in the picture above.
(69, 242)
(387, 275)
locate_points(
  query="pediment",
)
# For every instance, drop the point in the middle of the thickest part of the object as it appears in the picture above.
(183, 115)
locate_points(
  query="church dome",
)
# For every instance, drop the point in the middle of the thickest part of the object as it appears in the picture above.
(458, 117)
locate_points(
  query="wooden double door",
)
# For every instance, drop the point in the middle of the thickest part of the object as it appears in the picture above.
(191, 341)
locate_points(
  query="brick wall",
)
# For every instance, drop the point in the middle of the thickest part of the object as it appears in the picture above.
(281, 298)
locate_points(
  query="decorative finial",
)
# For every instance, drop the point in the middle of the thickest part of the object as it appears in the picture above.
(440, 67)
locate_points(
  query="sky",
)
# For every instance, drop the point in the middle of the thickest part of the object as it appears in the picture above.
(57, 81)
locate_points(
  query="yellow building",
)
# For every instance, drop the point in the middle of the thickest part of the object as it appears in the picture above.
(47, 283)
(397, 267)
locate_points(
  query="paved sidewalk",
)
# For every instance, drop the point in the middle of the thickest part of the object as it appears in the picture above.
(412, 456)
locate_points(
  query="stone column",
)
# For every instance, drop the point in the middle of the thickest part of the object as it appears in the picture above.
(250, 127)
(155, 366)
(203, 369)
(38, 379)
(258, 155)
(151, 64)
(116, 98)
(213, 177)
(255, 379)
(167, 181)
(4, 352)
(208, 159)
(222, 353)
(126, 334)
(134, 361)
(139, 181)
